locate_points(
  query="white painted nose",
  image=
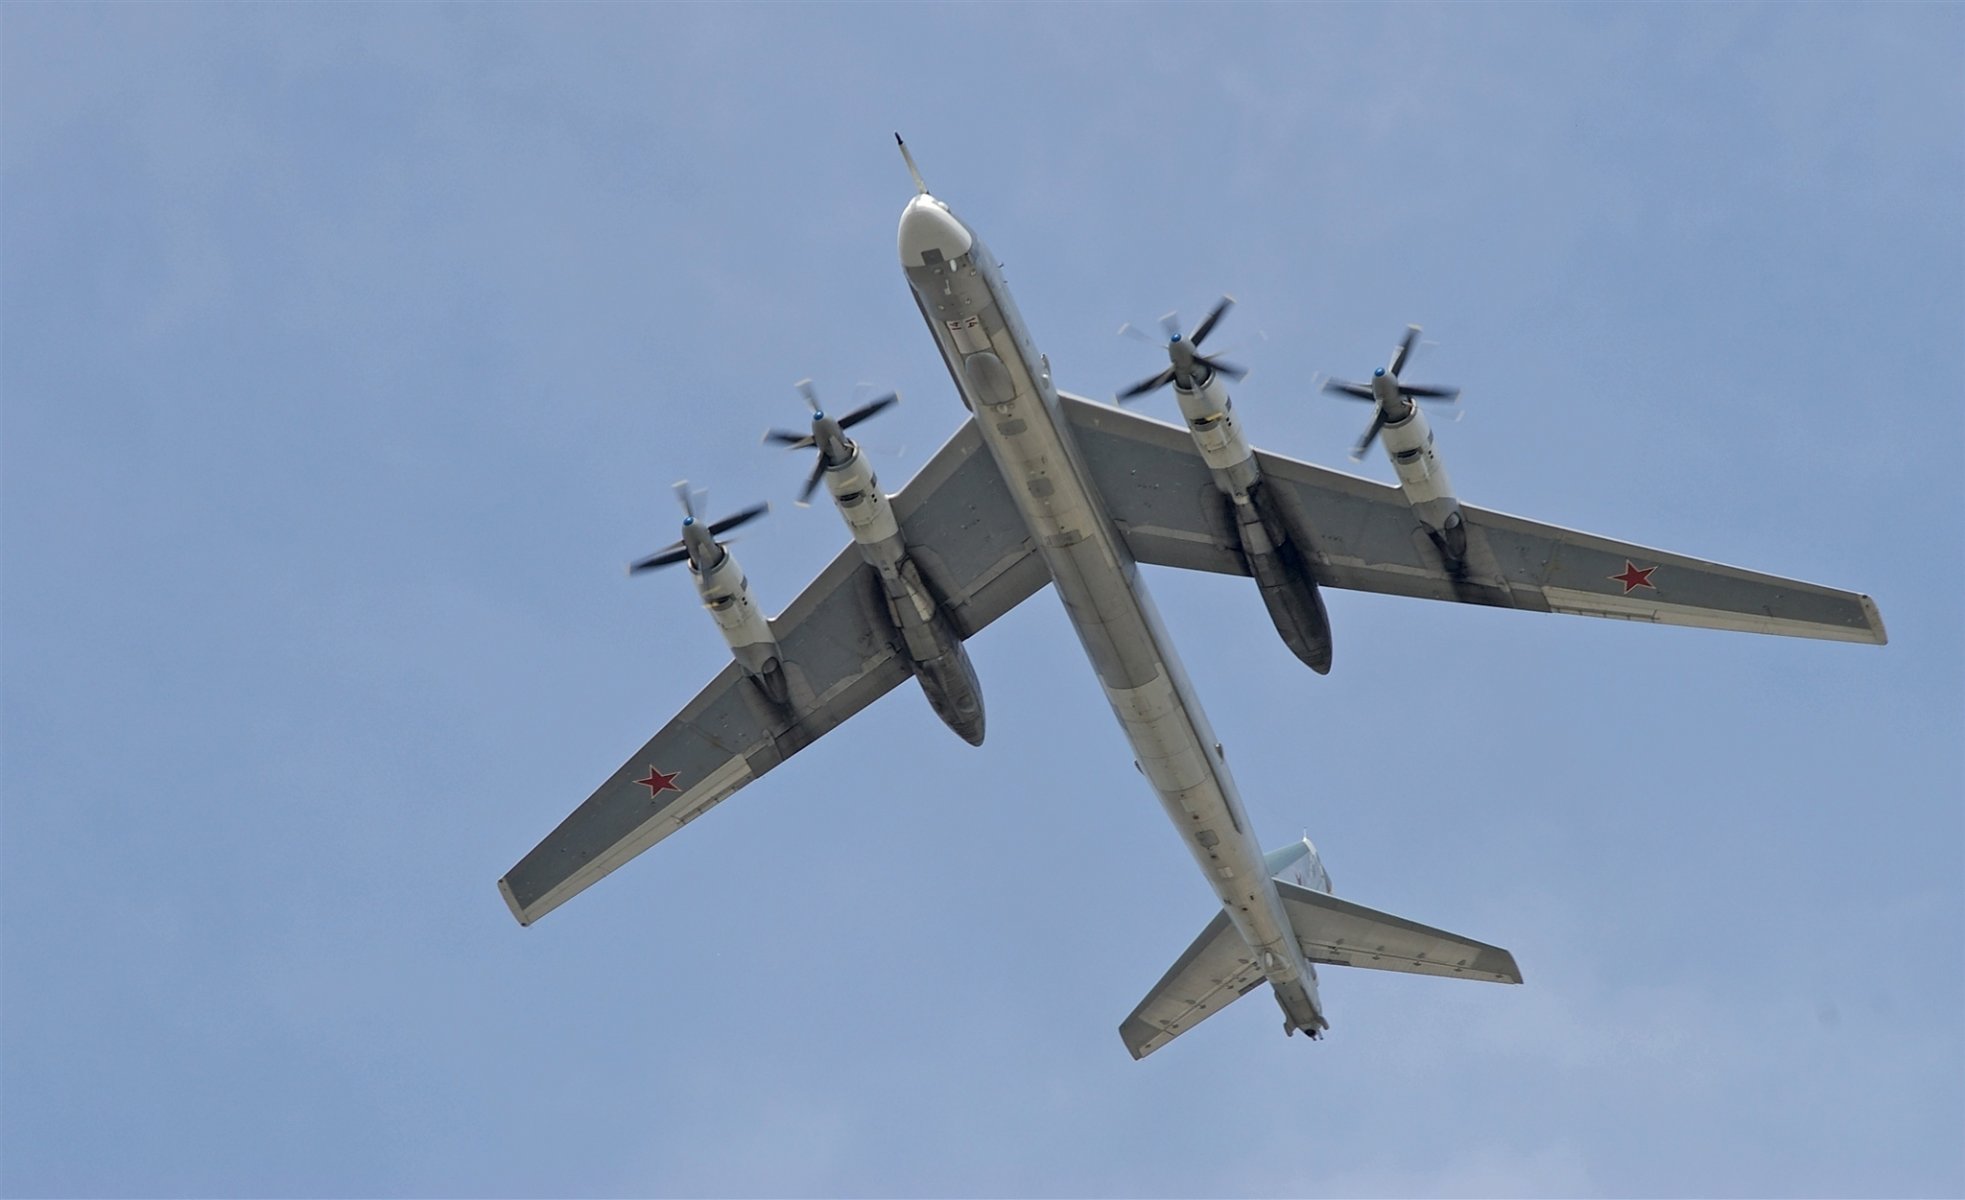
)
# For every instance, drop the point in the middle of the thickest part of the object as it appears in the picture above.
(927, 225)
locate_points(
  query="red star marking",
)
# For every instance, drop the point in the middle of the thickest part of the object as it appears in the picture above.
(657, 783)
(1633, 578)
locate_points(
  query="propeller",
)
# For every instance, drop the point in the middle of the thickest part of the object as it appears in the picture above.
(1385, 388)
(694, 531)
(827, 435)
(1183, 354)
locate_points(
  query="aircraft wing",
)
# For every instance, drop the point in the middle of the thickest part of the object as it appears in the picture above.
(1364, 536)
(840, 653)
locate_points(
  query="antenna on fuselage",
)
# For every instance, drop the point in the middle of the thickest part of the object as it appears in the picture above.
(919, 186)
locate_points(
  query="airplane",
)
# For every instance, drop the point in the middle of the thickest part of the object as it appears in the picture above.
(1040, 486)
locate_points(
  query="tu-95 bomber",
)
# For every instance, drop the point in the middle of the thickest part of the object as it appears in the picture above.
(1039, 487)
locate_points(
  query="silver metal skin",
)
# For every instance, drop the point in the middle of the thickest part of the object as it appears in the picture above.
(726, 594)
(1007, 384)
(1269, 536)
(934, 650)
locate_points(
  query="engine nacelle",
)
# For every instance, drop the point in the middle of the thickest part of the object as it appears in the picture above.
(934, 650)
(1422, 477)
(1210, 416)
(856, 493)
(727, 594)
(1269, 539)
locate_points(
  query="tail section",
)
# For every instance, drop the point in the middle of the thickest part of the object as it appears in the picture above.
(1219, 966)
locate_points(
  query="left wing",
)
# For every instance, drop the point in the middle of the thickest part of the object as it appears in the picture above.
(840, 652)
(1364, 536)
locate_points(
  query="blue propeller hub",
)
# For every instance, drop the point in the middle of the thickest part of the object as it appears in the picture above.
(688, 521)
(1378, 372)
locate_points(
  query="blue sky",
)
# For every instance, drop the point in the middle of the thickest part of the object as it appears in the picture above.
(349, 351)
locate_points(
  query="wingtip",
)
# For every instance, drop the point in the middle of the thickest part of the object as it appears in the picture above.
(511, 902)
(1138, 1047)
(1875, 617)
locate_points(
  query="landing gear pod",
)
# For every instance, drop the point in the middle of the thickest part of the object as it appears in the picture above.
(1296, 606)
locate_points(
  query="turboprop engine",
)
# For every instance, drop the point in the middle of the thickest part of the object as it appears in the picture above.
(725, 591)
(934, 649)
(1269, 536)
(1409, 443)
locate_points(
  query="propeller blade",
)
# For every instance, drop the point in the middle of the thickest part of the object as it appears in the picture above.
(1404, 351)
(1148, 385)
(785, 437)
(1207, 324)
(810, 393)
(688, 498)
(1170, 321)
(1431, 393)
(1357, 391)
(1222, 367)
(1371, 435)
(812, 482)
(661, 558)
(739, 518)
(1134, 332)
(866, 410)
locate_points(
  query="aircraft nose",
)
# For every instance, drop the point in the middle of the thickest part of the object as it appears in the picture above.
(928, 226)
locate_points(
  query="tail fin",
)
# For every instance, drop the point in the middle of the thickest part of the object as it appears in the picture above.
(1219, 967)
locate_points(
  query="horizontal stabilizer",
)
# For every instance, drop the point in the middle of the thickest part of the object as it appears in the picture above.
(1346, 934)
(1217, 968)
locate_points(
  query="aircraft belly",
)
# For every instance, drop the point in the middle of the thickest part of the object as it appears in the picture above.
(1099, 584)
(1149, 694)
(1006, 383)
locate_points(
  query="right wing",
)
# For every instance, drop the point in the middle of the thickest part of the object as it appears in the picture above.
(840, 653)
(1363, 535)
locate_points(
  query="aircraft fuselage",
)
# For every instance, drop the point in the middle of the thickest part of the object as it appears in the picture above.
(1006, 384)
